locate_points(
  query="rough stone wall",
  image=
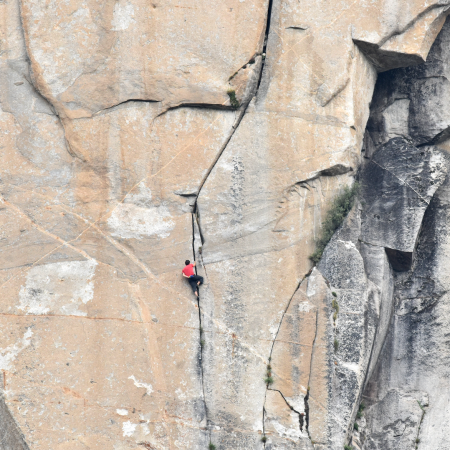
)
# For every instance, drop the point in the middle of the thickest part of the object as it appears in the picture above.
(407, 395)
(122, 156)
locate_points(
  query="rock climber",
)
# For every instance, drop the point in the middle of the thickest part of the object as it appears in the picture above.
(194, 280)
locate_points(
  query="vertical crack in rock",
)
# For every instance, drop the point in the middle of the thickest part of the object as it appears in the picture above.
(201, 331)
(420, 424)
(264, 426)
(309, 378)
(271, 351)
(266, 38)
(242, 110)
(287, 403)
(235, 126)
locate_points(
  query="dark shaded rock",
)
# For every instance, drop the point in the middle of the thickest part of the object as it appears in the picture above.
(400, 261)
(395, 421)
(10, 436)
(397, 185)
(412, 102)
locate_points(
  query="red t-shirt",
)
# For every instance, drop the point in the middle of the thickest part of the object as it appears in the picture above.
(188, 270)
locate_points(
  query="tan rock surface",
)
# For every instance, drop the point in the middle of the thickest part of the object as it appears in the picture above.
(90, 56)
(101, 344)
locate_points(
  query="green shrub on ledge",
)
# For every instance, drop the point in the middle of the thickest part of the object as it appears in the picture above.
(233, 100)
(341, 206)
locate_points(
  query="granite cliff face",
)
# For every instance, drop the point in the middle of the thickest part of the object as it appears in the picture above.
(124, 153)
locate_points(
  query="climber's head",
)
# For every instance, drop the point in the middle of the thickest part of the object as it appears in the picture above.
(187, 262)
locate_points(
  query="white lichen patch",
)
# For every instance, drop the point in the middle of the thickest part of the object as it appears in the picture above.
(128, 428)
(305, 306)
(10, 353)
(130, 221)
(293, 432)
(123, 16)
(59, 287)
(138, 217)
(122, 412)
(311, 287)
(139, 384)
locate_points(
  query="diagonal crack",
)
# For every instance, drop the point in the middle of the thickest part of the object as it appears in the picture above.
(401, 181)
(44, 231)
(273, 344)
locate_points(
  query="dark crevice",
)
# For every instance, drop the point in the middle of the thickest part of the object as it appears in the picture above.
(186, 195)
(196, 212)
(400, 261)
(306, 399)
(273, 344)
(213, 106)
(300, 415)
(301, 28)
(224, 146)
(250, 62)
(284, 312)
(130, 100)
(266, 39)
(306, 414)
(264, 427)
(337, 169)
(201, 331)
(200, 247)
(420, 425)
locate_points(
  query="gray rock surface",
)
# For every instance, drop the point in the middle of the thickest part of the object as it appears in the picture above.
(11, 437)
(397, 185)
(396, 419)
(408, 392)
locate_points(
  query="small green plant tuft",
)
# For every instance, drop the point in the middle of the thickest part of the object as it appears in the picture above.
(211, 446)
(341, 206)
(202, 343)
(335, 305)
(417, 440)
(334, 294)
(348, 447)
(362, 407)
(268, 372)
(420, 406)
(233, 100)
(268, 380)
(264, 439)
(356, 426)
(334, 316)
(336, 345)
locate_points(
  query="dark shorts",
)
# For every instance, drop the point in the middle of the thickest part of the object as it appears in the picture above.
(193, 280)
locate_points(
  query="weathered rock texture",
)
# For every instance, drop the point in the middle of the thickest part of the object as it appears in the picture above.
(124, 153)
(408, 392)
